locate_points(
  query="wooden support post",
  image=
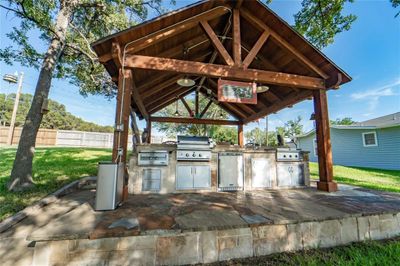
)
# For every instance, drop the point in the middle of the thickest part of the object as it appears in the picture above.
(196, 104)
(240, 135)
(149, 131)
(325, 182)
(120, 145)
(237, 46)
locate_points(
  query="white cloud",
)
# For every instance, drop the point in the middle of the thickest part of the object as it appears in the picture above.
(372, 96)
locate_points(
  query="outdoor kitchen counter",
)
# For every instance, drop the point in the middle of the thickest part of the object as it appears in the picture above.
(258, 164)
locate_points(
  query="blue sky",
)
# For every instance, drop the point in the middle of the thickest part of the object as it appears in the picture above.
(369, 53)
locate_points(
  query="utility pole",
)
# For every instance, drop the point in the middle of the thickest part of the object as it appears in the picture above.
(266, 130)
(15, 109)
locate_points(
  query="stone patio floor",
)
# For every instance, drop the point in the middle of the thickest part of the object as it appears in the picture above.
(73, 217)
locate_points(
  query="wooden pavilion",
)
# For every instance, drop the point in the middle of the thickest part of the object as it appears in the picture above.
(230, 39)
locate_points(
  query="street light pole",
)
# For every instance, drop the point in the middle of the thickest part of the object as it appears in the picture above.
(15, 109)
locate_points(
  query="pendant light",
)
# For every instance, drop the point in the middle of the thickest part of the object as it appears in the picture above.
(262, 88)
(185, 81)
(176, 111)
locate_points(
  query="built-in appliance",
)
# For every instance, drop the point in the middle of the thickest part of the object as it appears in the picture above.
(110, 181)
(193, 176)
(151, 179)
(146, 158)
(261, 176)
(290, 174)
(288, 155)
(230, 171)
(193, 148)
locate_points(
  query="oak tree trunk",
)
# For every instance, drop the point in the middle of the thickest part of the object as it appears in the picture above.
(21, 174)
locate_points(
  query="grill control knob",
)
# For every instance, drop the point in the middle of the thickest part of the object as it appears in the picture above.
(200, 155)
(194, 154)
(187, 155)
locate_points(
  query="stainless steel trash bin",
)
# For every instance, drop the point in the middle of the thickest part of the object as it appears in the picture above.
(110, 181)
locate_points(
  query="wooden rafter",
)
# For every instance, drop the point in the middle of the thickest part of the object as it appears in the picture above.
(116, 54)
(206, 108)
(293, 99)
(237, 43)
(170, 101)
(170, 93)
(217, 71)
(261, 25)
(217, 43)
(185, 120)
(256, 48)
(137, 98)
(174, 29)
(187, 107)
(159, 87)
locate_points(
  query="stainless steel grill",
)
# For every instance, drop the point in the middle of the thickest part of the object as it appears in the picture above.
(288, 155)
(193, 148)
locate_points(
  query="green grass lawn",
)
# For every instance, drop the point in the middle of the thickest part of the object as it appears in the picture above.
(52, 168)
(365, 253)
(55, 167)
(386, 180)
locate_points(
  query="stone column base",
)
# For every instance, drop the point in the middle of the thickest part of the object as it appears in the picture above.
(327, 186)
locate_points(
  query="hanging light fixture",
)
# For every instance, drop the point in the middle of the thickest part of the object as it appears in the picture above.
(221, 115)
(185, 81)
(262, 88)
(176, 111)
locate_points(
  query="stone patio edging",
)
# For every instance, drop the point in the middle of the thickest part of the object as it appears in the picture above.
(31, 210)
(217, 245)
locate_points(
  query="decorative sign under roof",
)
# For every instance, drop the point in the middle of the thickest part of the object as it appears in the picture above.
(237, 92)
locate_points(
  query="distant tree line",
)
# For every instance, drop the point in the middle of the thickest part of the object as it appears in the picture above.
(56, 118)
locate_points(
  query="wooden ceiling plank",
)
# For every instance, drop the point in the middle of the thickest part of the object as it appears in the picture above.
(170, 31)
(237, 46)
(260, 24)
(256, 48)
(185, 120)
(217, 43)
(217, 71)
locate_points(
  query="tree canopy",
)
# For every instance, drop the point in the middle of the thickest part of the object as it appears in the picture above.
(343, 121)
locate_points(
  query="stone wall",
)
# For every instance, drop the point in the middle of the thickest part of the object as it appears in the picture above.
(168, 248)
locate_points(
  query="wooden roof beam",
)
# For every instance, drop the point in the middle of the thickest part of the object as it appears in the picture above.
(170, 101)
(261, 25)
(217, 43)
(237, 43)
(187, 107)
(116, 54)
(302, 95)
(137, 98)
(256, 48)
(175, 29)
(185, 120)
(206, 108)
(217, 71)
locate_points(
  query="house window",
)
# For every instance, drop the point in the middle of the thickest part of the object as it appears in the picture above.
(315, 146)
(369, 139)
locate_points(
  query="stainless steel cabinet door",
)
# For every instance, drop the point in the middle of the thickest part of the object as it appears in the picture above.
(184, 177)
(260, 176)
(201, 176)
(298, 175)
(284, 175)
(230, 171)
